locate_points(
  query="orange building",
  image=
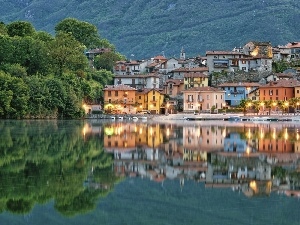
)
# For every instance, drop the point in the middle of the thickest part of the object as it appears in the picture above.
(278, 90)
(119, 99)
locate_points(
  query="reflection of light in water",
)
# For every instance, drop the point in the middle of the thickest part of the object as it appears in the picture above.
(286, 136)
(135, 129)
(249, 133)
(141, 130)
(224, 133)
(151, 131)
(168, 132)
(248, 150)
(274, 133)
(84, 132)
(253, 185)
(262, 133)
(297, 136)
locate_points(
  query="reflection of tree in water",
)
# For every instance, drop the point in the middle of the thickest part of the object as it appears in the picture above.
(41, 161)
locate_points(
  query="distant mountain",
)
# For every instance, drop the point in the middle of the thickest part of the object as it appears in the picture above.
(145, 28)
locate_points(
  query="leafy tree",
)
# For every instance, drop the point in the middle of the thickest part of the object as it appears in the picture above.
(66, 54)
(107, 60)
(3, 29)
(294, 103)
(15, 70)
(84, 32)
(244, 104)
(20, 28)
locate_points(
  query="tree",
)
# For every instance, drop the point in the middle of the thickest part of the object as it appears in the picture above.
(3, 29)
(107, 60)
(294, 103)
(66, 54)
(244, 104)
(84, 32)
(20, 28)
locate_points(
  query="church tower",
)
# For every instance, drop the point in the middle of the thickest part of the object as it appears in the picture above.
(182, 54)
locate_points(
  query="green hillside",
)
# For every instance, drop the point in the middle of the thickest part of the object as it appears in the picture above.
(145, 28)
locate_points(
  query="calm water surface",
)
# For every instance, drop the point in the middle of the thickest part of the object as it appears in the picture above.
(104, 172)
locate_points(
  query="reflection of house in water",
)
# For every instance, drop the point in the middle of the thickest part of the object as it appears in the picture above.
(234, 143)
(249, 174)
(204, 138)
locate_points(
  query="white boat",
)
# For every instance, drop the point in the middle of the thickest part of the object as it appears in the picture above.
(134, 118)
(144, 118)
(113, 118)
(235, 118)
(120, 118)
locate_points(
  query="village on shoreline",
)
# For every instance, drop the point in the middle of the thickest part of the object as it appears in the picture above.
(245, 79)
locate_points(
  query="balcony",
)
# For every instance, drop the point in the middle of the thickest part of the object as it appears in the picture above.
(200, 100)
(237, 92)
(190, 101)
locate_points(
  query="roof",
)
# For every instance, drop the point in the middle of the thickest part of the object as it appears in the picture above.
(154, 64)
(240, 84)
(194, 69)
(147, 90)
(293, 45)
(195, 75)
(223, 53)
(120, 87)
(99, 50)
(160, 57)
(174, 81)
(282, 83)
(204, 89)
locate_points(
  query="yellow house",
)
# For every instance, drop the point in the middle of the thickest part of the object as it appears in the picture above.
(196, 79)
(119, 99)
(150, 99)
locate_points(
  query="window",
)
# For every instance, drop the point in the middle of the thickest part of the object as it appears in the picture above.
(207, 106)
(277, 91)
(270, 92)
(153, 98)
(207, 97)
(140, 97)
(116, 93)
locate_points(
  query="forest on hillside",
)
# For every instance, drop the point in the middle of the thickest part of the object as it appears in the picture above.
(45, 76)
(143, 29)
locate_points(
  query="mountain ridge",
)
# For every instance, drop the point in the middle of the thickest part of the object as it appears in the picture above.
(142, 29)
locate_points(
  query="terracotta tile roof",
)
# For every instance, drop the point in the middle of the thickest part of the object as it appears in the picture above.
(120, 87)
(293, 45)
(176, 82)
(195, 75)
(147, 90)
(282, 83)
(240, 84)
(223, 53)
(195, 69)
(159, 57)
(154, 64)
(204, 89)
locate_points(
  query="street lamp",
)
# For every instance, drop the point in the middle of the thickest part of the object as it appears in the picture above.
(286, 105)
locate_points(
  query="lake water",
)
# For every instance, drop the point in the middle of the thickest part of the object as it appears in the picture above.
(180, 172)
